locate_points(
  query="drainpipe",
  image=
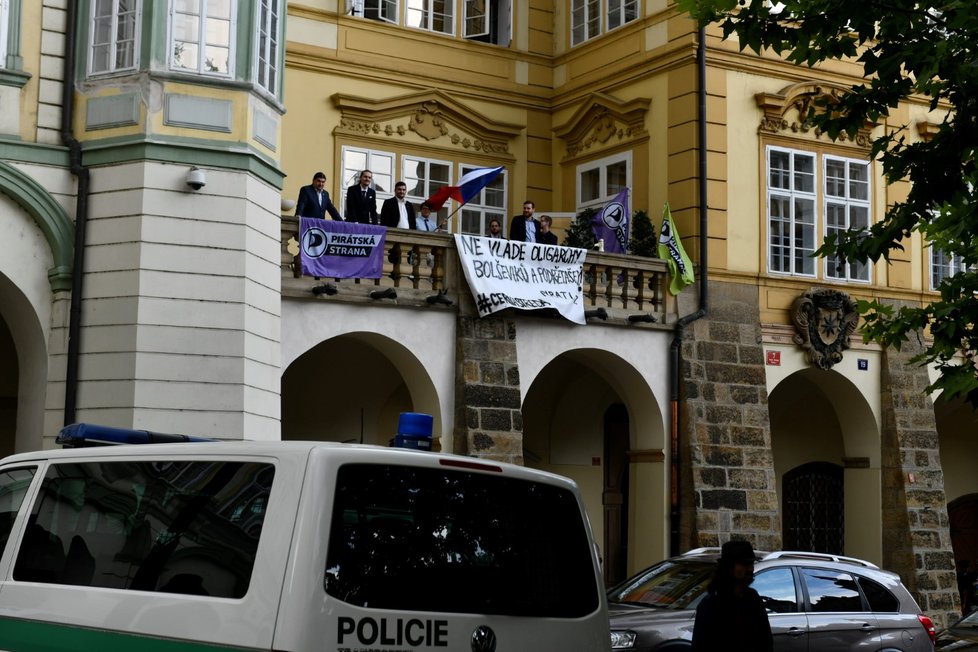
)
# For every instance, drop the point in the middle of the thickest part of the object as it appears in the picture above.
(674, 367)
(81, 211)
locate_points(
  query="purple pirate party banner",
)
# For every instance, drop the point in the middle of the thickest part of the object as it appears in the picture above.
(334, 249)
(612, 224)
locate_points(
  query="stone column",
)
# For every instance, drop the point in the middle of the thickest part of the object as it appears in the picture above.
(916, 530)
(728, 464)
(488, 420)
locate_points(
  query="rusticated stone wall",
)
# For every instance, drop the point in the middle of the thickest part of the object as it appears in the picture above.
(916, 531)
(487, 390)
(728, 467)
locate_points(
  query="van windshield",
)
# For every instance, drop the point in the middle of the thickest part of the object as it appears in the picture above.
(427, 539)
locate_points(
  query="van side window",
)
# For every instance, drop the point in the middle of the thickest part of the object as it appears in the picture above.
(13, 488)
(430, 539)
(166, 526)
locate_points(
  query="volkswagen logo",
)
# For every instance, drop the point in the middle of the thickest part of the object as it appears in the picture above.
(483, 639)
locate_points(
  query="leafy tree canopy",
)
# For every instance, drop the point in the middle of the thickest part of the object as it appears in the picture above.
(907, 49)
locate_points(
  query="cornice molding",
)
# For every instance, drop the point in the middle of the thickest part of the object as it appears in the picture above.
(432, 115)
(787, 111)
(602, 118)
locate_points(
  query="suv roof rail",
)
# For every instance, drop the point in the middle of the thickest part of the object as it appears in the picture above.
(82, 435)
(701, 551)
(820, 556)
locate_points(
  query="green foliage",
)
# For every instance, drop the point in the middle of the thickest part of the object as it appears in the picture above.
(579, 233)
(642, 240)
(906, 48)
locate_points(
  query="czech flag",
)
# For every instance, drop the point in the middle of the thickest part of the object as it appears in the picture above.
(470, 185)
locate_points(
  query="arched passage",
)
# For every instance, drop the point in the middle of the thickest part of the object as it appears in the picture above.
(352, 388)
(23, 372)
(957, 429)
(591, 416)
(820, 421)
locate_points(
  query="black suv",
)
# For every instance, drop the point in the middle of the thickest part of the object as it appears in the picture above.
(814, 602)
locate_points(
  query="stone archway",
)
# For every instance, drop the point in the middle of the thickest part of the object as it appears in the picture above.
(590, 416)
(820, 419)
(352, 388)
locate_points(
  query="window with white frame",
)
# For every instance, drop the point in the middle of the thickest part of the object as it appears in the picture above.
(431, 15)
(599, 181)
(269, 13)
(589, 18)
(489, 204)
(380, 164)
(423, 177)
(791, 200)
(621, 12)
(201, 36)
(113, 36)
(944, 265)
(846, 207)
(489, 21)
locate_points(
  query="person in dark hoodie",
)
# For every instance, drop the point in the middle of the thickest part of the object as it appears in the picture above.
(731, 616)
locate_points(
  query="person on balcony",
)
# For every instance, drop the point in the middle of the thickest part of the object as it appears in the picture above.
(398, 212)
(361, 201)
(427, 221)
(314, 200)
(496, 229)
(546, 236)
(525, 227)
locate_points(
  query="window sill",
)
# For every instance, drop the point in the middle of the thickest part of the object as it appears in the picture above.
(15, 78)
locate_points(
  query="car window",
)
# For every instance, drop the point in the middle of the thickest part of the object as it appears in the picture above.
(13, 487)
(879, 598)
(165, 526)
(458, 542)
(777, 590)
(831, 591)
(672, 584)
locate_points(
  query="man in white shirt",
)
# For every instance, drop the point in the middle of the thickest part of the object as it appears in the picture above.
(397, 211)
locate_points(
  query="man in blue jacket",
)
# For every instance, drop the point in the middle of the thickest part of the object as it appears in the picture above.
(314, 200)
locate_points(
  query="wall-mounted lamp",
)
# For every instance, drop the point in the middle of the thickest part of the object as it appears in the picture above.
(196, 178)
(326, 288)
(645, 318)
(389, 293)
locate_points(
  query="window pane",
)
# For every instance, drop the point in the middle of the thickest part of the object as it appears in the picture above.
(443, 532)
(472, 222)
(186, 28)
(170, 527)
(835, 178)
(780, 166)
(830, 591)
(219, 9)
(218, 32)
(476, 17)
(103, 31)
(185, 55)
(100, 58)
(590, 185)
(187, 6)
(777, 590)
(216, 59)
(859, 181)
(804, 173)
(617, 178)
(124, 55)
(103, 8)
(879, 598)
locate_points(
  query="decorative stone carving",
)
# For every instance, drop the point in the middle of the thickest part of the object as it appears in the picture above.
(789, 111)
(428, 121)
(824, 320)
(601, 119)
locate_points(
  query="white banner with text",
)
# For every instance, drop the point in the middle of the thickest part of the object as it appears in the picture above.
(523, 275)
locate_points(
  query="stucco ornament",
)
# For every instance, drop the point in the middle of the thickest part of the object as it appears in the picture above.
(824, 320)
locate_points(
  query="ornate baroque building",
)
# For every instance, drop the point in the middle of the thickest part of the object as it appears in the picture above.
(132, 294)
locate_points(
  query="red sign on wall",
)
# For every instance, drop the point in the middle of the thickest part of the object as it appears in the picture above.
(774, 358)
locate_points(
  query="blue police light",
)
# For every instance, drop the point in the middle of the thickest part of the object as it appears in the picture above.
(414, 431)
(80, 435)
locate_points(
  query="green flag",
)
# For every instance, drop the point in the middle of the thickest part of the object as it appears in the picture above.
(671, 250)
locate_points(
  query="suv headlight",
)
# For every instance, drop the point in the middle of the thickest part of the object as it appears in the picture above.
(622, 639)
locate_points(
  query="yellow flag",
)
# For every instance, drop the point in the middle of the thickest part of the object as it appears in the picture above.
(671, 250)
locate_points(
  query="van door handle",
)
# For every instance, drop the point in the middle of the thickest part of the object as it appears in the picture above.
(795, 631)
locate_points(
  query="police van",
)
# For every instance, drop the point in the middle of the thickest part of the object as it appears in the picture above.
(291, 547)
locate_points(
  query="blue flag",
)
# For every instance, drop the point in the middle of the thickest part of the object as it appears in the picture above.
(333, 249)
(611, 224)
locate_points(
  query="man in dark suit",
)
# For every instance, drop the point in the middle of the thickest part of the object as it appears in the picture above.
(525, 227)
(361, 201)
(397, 211)
(545, 235)
(314, 200)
